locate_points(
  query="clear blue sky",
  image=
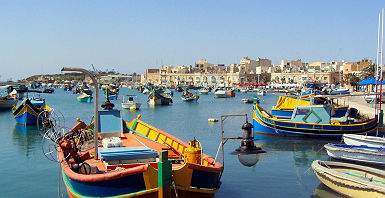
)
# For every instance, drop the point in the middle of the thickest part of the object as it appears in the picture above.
(40, 37)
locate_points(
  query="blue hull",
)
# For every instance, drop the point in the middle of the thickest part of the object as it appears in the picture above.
(26, 119)
(114, 97)
(85, 100)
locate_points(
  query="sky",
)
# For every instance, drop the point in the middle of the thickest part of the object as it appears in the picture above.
(41, 37)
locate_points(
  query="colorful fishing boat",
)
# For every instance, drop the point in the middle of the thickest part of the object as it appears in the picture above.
(189, 97)
(27, 112)
(364, 154)
(6, 102)
(285, 106)
(351, 180)
(222, 94)
(134, 159)
(311, 121)
(85, 98)
(156, 98)
(358, 140)
(204, 91)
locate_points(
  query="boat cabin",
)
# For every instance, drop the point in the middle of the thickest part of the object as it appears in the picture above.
(318, 114)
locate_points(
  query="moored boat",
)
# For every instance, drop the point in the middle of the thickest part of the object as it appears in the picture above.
(203, 91)
(27, 113)
(85, 98)
(366, 140)
(156, 98)
(6, 102)
(189, 97)
(134, 160)
(311, 121)
(130, 103)
(222, 94)
(365, 154)
(350, 179)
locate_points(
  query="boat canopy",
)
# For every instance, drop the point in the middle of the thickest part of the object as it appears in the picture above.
(285, 102)
(317, 114)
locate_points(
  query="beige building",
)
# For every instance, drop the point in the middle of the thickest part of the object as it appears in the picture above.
(300, 78)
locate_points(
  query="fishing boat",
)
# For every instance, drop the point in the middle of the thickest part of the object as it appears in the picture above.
(340, 92)
(203, 91)
(156, 98)
(222, 94)
(134, 159)
(84, 98)
(6, 102)
(247, 100)
(130, 103)
(358, 140)
(67, 87)
(27, 112)
(286, 104)
(351, 180)
(189, 97)
(365, 154)
(311, 121)
(48, 90)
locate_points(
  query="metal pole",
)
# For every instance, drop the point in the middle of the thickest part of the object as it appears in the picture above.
(382, 48)
(95, 82)
(377, 66)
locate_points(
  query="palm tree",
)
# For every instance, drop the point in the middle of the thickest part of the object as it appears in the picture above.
(352, 79)
(368, 72)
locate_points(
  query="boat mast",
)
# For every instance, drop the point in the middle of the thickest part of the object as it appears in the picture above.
(381, 64)
(377, 66)
(95, 82)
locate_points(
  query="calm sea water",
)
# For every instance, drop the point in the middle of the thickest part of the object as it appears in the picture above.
(284, 171)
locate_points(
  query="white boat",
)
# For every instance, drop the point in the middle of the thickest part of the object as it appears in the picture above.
(203, 91)
(222, 94)
(261, 93)
(358, 140)
(372, 155)
(130, 103)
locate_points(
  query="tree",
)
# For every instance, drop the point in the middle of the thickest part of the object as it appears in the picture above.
(352, 79)
(368, 72)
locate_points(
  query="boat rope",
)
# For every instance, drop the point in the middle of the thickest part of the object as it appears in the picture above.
(142, 143)
(174, 186)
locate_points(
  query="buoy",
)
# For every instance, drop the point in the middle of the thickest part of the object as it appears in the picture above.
(212, 120)
(133, 108)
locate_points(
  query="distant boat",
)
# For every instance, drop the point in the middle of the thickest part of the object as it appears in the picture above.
(261, 93)
(358, 140)
(130, 103)
(27, 113)
(351, 180)
(222, 94)
(190, 97)
(340, 91)
(7, 102)
(84, 98)
(156, 98)
(365, 154)
(48, 90)
(247, 100)
(203, 91)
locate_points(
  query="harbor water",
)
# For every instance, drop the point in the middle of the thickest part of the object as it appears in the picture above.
(283, 171)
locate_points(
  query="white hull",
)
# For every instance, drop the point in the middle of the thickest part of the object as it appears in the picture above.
(359, 156)
(203, 92)
(222, 94)
(363, 140)
(129, 105)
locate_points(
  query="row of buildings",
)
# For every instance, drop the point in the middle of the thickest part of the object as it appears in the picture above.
(260, 70)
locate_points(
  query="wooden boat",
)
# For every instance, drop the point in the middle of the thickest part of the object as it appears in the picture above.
(189, 97)
(351, 180)
(67, 87)
(85, 98)
(222, 94)
(6, 102)
(340, 92)
(358, 140)
(310, 121)
(285, 106)
(130, 103)
(27, 113)
(248, 100)
(156, 98)
(365, 154)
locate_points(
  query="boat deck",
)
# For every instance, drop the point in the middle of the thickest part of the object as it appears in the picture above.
(134, 140)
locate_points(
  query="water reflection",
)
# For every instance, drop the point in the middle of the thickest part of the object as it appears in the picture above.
(26, 137)
(249, 159)
(322, 191)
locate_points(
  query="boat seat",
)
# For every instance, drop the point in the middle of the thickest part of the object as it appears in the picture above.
(110, 123)
(127, 155)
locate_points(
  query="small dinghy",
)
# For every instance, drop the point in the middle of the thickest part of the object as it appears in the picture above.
(357, 140)
(365, 154)
(350, 179)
